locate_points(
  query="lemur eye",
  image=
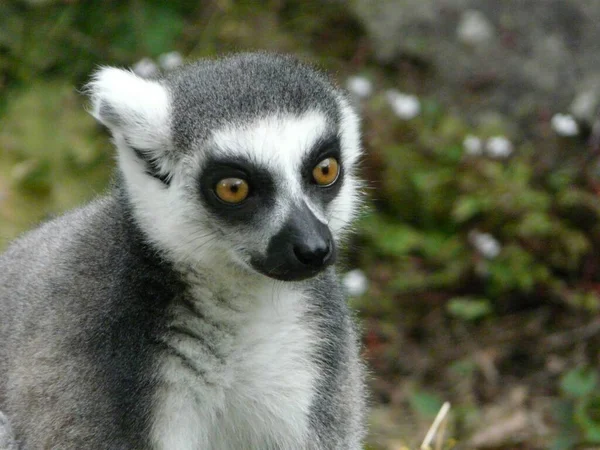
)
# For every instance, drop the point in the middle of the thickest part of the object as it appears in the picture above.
(326, 172)
(232, 190)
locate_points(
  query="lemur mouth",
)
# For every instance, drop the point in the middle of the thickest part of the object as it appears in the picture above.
(302, 249)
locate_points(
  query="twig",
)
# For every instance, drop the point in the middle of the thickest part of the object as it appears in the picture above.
(439, 440)
(441, 416)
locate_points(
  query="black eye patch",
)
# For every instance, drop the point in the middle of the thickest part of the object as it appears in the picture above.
(327, 147)
(261, 193)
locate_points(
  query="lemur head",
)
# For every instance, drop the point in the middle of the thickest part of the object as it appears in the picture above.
(251, 158)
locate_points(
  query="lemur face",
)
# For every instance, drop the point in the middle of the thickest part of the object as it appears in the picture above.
(271, 186)
(252, 159)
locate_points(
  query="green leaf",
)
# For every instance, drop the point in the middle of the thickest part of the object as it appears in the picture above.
(587, 416)
(390, 238)
(563, 412)
(465, 367)
(535, 224)
(469, 309)
(466, 208)
(425, 403)
(579, 382)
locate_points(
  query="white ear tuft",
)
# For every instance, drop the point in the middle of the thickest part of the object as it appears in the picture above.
(133, 108)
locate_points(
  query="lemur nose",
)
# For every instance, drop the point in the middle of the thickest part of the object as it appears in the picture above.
(302, 248)
(315, 253)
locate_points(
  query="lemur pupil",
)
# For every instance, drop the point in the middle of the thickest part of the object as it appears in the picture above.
(234, 188)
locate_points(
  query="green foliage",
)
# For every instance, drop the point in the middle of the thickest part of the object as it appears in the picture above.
(431, 198)
(434, 203)
(51, 155)
(579, 412)
(74, 37)
(579, 383)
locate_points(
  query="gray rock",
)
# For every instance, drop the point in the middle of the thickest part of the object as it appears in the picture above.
(521, 58)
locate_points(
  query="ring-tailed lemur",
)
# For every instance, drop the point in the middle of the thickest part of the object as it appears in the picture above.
(196, 306)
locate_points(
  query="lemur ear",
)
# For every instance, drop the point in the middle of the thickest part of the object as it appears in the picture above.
(136, 111)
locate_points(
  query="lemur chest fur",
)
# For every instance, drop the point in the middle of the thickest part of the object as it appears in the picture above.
(236, 370)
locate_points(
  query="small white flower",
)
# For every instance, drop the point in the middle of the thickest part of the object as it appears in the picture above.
(404, 106)
(585, 105)
(355, 282)
(499, 147)
(564, 125)
(359, 86)
(145, 68)
(474, 28)
(472, 145)
(485, 243)
(170, 60)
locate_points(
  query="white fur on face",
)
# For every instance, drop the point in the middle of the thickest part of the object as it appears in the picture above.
(277, 143)
(343, 209)
(280, 143)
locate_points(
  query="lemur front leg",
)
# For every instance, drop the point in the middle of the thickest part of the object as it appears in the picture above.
(7, 439)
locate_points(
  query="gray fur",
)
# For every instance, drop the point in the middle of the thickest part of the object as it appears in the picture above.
(93, 304)
(7, 439)
(212, 94)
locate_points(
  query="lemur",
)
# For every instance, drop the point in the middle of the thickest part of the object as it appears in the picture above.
(196, 306)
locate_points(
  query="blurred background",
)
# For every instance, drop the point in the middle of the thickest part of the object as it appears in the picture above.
(475, 269)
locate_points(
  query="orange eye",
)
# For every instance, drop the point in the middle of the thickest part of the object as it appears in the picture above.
(232, 190)
(326, 172)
